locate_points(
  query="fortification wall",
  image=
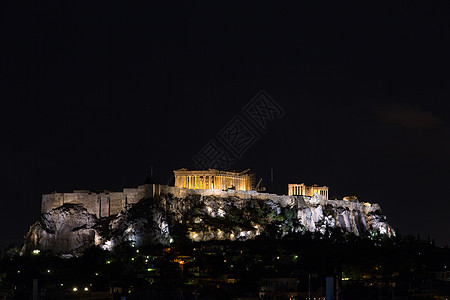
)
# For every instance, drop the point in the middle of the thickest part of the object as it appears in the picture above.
(351, 205)
(283, 200)
(105, 204)
(51, 201)
(101, 204)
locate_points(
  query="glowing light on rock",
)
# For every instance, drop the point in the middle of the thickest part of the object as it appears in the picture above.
(109, 245)
(221, 212)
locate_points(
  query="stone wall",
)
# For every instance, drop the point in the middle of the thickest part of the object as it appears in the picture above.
(99, 203)
(106, 203)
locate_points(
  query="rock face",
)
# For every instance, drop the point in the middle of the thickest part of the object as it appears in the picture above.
(201, 216)
(68, 229)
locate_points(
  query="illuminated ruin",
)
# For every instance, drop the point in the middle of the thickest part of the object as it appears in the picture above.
(213, 179)
(300, 189)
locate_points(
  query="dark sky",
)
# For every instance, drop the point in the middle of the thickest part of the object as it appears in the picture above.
(93, 94)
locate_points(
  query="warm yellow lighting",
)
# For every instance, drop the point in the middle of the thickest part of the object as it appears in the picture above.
(86, 289)
(213, 179)
(75, 289)
(180, 262)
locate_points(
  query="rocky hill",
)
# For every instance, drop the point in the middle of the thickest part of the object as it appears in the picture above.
(69, 230)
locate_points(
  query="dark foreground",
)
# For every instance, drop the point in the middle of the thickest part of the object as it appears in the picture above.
(294, 267)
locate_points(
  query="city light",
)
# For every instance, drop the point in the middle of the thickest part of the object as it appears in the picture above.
(75, 289)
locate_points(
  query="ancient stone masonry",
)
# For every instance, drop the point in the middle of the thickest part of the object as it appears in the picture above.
(213, 179)
(300, 189)
(99, 203)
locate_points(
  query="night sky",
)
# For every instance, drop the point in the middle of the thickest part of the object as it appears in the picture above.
(94, 94)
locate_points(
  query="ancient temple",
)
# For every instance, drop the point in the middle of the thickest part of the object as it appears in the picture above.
(213, 179)
(300, 189)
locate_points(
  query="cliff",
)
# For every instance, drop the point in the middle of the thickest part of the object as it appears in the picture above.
(201, 215)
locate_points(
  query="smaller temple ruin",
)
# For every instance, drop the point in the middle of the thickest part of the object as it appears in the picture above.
(300, 189)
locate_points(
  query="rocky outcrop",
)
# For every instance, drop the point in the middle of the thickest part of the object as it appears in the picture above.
(201, 216)
(68, 230)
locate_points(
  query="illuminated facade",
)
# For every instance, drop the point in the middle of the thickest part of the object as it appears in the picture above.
(213, 179)
(300, 189)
